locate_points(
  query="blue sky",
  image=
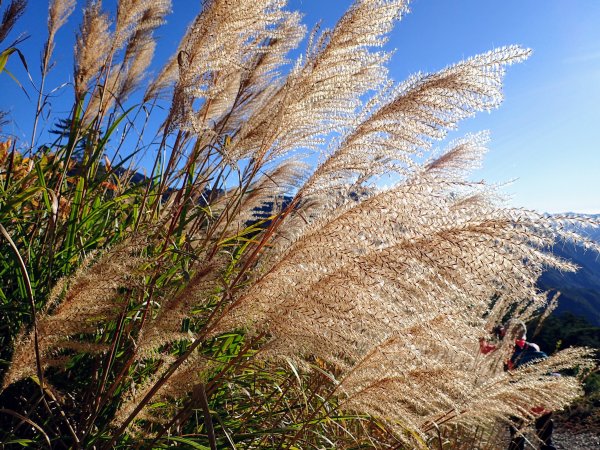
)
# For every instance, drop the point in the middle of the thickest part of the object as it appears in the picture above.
(545, 136)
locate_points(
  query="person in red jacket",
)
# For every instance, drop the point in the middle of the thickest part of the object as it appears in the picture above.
(523, 353)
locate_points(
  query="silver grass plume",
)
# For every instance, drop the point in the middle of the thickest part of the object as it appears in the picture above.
(264, 199)
(92, 46)
(135, 27)
(130, 53)
(406, 121)
(138, 16)
(245, 90)
(11, 15)
(322, 93)
(406, 264)
(77, 306)
(451, 384)
(215, 50)
(58, 13)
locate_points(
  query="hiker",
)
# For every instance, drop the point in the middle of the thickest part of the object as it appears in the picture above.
(524, 352)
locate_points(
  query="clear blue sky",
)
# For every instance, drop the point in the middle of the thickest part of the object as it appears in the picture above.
(546, 135)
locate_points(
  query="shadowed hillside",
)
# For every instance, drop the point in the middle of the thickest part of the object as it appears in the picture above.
(580, 290)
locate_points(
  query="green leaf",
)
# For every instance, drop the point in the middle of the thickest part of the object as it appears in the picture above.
(109, 132)
(4, 60)
(189, 442)
(17, 200)
(21, 442)
(4, 57)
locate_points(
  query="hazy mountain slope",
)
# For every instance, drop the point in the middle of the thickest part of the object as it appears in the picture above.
(580, 290)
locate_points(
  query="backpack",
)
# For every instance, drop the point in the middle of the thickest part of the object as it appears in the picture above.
(525, 355)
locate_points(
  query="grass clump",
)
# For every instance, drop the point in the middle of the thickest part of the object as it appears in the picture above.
(236, 296)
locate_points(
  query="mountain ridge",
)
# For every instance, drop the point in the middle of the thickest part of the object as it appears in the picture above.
(580, 291)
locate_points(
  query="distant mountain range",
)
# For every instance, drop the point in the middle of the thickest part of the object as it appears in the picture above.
(580, 290)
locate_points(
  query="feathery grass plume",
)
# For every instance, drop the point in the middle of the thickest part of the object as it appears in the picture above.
(284, 34)
(135, 25)
(405, 121)
(428, 248)
(139, 54)
(427, 366)
(392, 215)
(262, 202)
(517, 393)
(249, 88)
(462, 157)
(323, 92)
(502, 306)
(58, 13)
(10, 17)
(436, 379)
(138, 16)
(237, 95)
(410, 230)
(320, 198)
(222, 40)
(91, 297)
(166, 326)
(92, 46)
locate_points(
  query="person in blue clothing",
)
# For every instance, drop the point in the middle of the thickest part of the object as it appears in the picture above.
(523, 353)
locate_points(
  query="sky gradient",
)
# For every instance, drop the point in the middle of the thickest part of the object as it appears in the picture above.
(545, 136)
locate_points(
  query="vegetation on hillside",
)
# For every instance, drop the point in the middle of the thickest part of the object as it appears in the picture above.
(169, 311)
(566, 330)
